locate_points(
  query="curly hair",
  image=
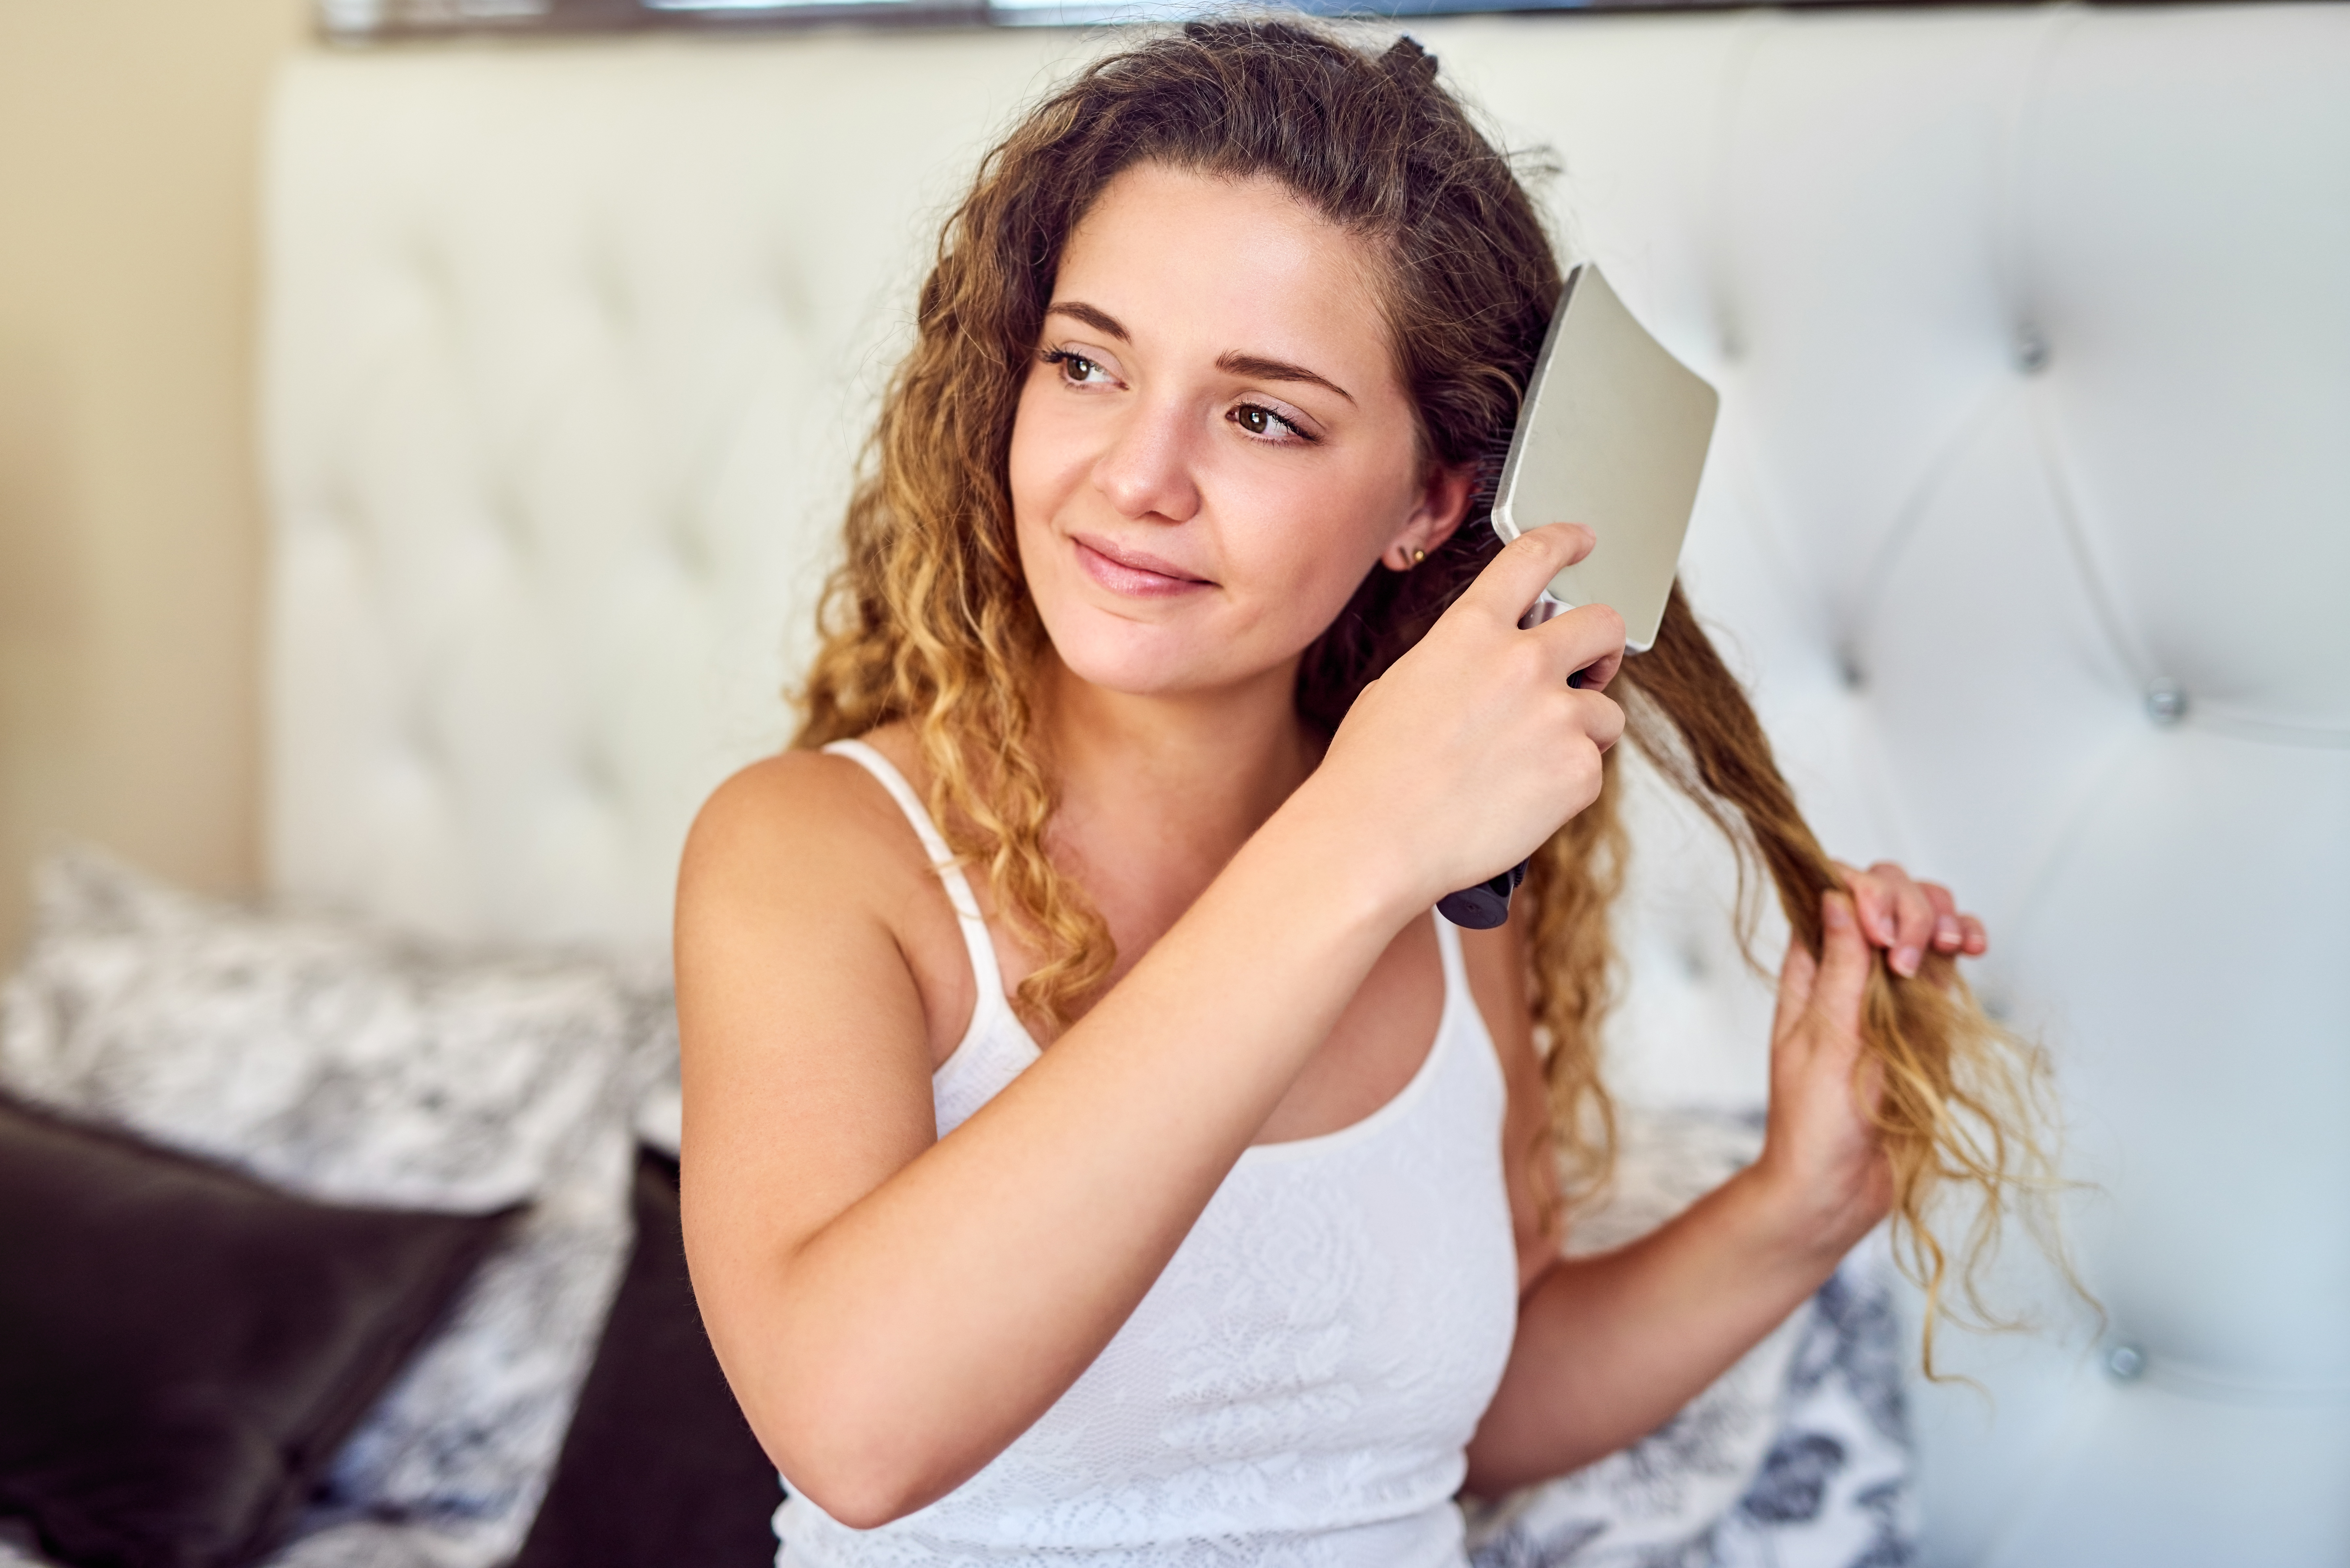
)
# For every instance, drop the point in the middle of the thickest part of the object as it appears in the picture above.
(928, 621)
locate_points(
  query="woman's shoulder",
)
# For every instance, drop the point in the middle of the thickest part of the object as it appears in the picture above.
(801, 865)
(822, 814)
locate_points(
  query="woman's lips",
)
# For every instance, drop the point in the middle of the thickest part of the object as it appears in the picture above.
(1134, 572)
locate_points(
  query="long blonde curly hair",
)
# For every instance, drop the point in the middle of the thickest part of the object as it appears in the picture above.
(928, 621)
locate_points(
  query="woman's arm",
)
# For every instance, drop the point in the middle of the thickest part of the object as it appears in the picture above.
(891, 1309)
(1610, 1346)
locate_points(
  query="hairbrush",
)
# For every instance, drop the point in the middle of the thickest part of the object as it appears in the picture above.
(1612, 433)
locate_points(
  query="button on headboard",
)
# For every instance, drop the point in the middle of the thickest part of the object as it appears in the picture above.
(2028, 516)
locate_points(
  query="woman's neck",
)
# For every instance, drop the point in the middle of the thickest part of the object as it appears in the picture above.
(1157, 793)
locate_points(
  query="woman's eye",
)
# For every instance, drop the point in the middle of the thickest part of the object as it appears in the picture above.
(1259, 421)
(1075, 367)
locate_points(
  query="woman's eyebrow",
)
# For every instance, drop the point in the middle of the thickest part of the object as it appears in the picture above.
(1098, 319)
(1258, 367)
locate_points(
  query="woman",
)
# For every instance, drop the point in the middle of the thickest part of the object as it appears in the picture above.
(1179, 1188)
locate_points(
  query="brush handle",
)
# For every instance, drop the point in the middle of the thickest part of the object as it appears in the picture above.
(1487, 905)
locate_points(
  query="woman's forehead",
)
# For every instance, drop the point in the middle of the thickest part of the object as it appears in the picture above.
(1196, 262)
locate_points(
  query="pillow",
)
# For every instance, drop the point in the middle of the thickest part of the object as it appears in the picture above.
(182, 1349)
(343, 1064)
(660, 1469)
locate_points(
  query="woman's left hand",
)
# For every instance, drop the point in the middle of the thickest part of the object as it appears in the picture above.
(1905, 917)
(1611, 1343)
(1821, 1153)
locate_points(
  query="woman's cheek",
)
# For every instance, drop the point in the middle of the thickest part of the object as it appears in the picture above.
(1043, 568)
(1313, 562)
(1039, 467)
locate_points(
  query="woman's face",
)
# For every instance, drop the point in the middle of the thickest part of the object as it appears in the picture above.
(1213, 445)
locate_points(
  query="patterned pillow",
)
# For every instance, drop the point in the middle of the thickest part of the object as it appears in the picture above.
(344, 1065)
(1799, 1453)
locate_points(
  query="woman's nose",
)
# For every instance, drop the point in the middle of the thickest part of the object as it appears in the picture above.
(1146, 468)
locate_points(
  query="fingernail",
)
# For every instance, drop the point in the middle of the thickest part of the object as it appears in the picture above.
(1946, 933)
(1837, 915)
(1904, 961)
(1886, 930)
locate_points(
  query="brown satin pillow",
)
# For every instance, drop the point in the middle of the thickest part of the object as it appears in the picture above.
(183, 1348)
(658, 1468)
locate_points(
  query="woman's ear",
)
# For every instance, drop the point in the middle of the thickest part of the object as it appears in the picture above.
(1444, 503)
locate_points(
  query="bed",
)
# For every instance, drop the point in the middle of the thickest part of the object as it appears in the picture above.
(2022, 520)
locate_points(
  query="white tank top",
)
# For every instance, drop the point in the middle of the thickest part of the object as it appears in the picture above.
(1298, 1386)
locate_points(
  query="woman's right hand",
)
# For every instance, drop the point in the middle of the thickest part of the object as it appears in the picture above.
(1472, 748)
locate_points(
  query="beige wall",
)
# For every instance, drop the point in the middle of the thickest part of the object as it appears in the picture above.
(129, 504)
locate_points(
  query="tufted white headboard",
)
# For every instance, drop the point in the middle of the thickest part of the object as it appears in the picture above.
(2029, 516)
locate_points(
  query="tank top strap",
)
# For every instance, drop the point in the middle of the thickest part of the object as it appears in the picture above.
(975, 938)
(1456, 971)
(1456, 996)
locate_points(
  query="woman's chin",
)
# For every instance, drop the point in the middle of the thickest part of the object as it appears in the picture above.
(1153, 661)
(1135, 675)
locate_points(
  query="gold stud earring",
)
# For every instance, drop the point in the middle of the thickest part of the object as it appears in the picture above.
(1417, 556)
